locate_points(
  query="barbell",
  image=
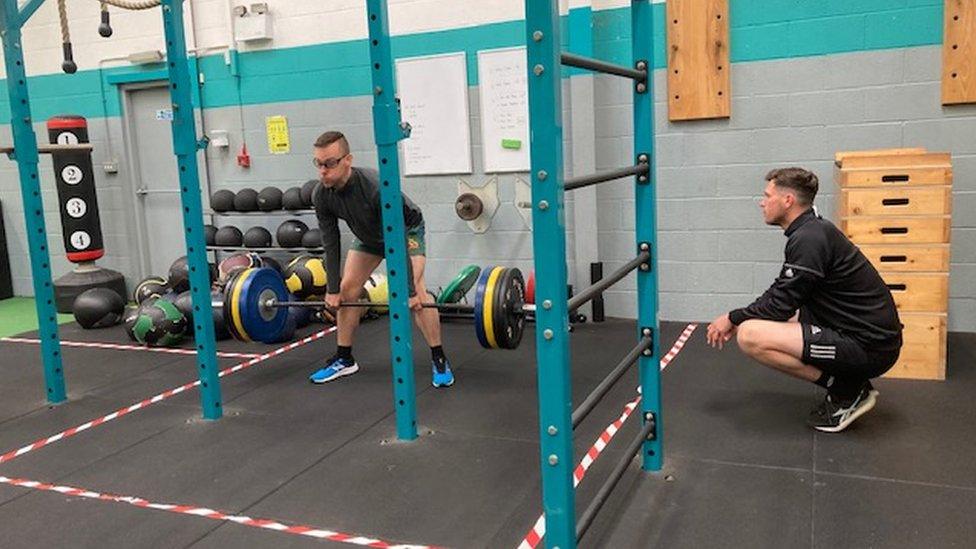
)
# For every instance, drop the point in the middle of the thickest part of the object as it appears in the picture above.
(255, 306)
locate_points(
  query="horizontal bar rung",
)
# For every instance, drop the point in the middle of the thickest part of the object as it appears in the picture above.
(618, 471)
(601, 177)
(45, 148)
(579, 299)
(601, 390)
(588, 63)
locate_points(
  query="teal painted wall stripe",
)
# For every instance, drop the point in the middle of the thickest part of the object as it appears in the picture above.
(760, 30)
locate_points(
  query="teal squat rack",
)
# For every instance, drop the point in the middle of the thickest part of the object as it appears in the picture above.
(557, 420)
(185, 146)
(549, 245)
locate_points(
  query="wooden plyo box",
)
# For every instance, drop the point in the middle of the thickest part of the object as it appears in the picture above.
(896, 206)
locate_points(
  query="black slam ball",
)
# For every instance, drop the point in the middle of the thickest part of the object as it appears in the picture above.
(289, 233)
(308, 192)
(257, 237)
(98, 308)
(229, 235)
(292, 199)
(222, 200)
(246, 200)
(269, 199)
(312, 239)
(210, 235)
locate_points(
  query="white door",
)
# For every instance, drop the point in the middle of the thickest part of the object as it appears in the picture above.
(155, 182)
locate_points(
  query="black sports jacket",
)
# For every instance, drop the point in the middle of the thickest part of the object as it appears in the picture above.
(830, 281)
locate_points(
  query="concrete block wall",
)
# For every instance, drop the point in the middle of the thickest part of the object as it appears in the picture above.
(794, 102)
(715, 252)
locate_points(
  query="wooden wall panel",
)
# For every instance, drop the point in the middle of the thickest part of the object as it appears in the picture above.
(959, 52)
(698, 59)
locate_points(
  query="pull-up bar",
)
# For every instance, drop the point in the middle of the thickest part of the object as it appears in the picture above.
(50, 149)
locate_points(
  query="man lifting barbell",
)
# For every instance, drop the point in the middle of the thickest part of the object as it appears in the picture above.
(353, 194)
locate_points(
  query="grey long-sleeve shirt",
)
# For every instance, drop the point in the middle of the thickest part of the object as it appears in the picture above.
(358, 203)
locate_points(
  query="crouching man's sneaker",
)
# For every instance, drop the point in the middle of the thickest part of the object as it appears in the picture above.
(441, 375)
(335, 368)
(833, 416)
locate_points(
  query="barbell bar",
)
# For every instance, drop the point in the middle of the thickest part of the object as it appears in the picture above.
(255, 306)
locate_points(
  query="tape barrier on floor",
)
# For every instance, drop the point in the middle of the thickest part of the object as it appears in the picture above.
(203, 512)
(123, 347)
(538, 531)
(158, 398)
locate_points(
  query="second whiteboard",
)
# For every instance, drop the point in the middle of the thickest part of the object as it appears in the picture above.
(503, 83)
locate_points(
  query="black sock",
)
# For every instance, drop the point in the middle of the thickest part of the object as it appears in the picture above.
(344, 352)
(845, 389)
(825, 380)
(437, 353)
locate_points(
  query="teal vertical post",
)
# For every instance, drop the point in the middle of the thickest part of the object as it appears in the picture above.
(25, 152)
(549, 249)
(185, 146)
(388, 130)
(646, 229)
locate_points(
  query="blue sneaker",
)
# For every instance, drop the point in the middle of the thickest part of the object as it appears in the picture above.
(335, 368)
(441, 375)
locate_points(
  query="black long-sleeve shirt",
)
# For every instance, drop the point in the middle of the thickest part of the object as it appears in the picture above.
(830, 281)
(358, 203)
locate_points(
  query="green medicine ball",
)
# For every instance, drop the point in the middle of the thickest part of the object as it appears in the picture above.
(159, 324)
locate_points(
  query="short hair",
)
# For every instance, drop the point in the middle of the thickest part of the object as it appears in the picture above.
(803, 183)
(329, 138)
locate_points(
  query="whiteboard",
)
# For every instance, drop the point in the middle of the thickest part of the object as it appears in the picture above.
(504, 109)
(433, 94)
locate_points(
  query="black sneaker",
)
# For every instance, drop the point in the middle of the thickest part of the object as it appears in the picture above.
(874, 392)
(832, 416)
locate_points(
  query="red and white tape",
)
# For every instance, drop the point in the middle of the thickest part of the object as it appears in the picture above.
(158, 398)
(123, 347)
(538, 531)
(295, 529)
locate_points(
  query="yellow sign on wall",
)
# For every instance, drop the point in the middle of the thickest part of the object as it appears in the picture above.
(278, 142)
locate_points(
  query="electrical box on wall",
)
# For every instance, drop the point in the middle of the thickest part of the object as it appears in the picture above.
(253, 23)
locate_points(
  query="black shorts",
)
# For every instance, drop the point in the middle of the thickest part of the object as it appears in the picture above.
(841, 355)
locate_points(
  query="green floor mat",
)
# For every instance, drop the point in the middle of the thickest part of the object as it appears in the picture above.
(19, 315)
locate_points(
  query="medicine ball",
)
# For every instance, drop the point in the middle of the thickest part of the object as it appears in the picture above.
(292, 199)
(129, 316)
(222, 200)
(257, 237)
(179, 275)
(210, 235)
(159, 323)
(229, 236)
(149, 287)
(301, 315)
(268, 261)
(246, 200)
(235, 263)
(98, 308)
(377, 289)
(305, 276)
(184, 304)
(308, 190)
(290, 233)
(269, 199)
(312, 239)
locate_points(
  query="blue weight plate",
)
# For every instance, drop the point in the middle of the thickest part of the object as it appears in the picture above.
(262, 323)
(479, 307)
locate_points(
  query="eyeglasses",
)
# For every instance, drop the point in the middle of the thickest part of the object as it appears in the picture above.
(328, 163)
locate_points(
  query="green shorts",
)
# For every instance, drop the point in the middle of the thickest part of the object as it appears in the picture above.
(416, 244)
